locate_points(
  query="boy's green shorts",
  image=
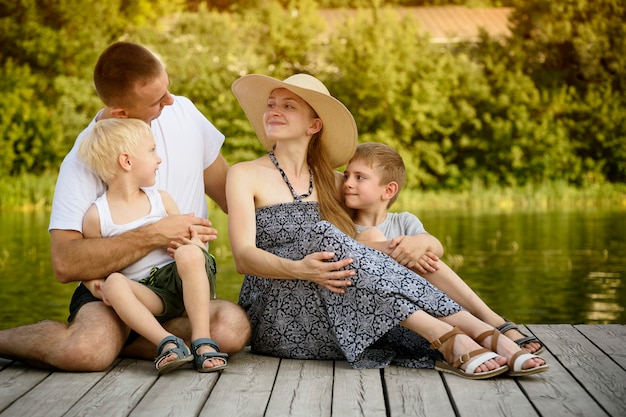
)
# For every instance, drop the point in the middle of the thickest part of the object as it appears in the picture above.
(166, 283)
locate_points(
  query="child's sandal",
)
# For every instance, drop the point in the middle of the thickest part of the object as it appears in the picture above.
(181, 350)
(200, 358)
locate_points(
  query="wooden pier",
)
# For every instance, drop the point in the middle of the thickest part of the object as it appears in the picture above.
(587, 378)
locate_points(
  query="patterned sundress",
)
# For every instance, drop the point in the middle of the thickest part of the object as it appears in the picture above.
(301, 320)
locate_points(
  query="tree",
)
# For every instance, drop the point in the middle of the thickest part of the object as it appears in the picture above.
(47, 54)
(579, 45)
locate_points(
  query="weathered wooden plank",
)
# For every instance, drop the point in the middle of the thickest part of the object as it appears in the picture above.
(16, 380)
(610, 338)
(179, 393)
(498, 396)
(587, 378)
(594, 370)
(556, 393)
(357, 392)
(302, 388)
(416, 393)
(55, 395)
(244, 388)
(118, 392)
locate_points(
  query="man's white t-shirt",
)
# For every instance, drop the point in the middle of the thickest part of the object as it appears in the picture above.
(185, 140)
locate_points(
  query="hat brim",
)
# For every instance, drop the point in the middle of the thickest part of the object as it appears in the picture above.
(339, 133)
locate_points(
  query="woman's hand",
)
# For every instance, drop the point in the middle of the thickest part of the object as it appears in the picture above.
(317, 268)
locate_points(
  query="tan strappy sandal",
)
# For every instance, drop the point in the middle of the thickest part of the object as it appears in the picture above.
(479, 356)
(517, 360)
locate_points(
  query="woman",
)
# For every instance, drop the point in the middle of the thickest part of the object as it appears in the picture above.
(311, 291)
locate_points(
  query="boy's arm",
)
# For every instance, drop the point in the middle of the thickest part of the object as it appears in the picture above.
(91, 223)
(419, 252)
(91, 229)
(172, 208)
(375, 239)
(168, 202)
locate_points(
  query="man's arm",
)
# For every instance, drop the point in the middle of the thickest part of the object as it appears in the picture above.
(75, 258)
(215, 182)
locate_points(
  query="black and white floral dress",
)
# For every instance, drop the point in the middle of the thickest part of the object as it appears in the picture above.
(302, 320)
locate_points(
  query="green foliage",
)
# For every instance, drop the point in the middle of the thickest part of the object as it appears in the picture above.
(29, 133)
(580, 44)
(47, 54)
(545, 106)
(390, 89)
(27, 191)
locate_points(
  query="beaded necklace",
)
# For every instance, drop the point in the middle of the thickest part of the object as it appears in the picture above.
(296, 197)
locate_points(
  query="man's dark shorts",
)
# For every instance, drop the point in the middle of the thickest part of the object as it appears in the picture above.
(165, 282)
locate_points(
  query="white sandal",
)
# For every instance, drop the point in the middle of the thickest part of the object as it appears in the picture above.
(518, 359)
(479, 356)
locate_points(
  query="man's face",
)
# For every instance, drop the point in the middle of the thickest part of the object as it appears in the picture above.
(150, 99)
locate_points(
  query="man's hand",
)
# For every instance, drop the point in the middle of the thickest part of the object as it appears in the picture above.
(182, 241)
(175, 226)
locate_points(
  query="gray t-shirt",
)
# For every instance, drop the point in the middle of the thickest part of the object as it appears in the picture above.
(397, 224)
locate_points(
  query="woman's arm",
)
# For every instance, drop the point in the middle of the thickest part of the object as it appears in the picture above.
(243, 186)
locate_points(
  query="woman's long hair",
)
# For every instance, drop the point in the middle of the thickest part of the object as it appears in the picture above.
(331, 203)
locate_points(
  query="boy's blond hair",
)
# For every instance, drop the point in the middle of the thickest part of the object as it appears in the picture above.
(385, 161)
(107, 140)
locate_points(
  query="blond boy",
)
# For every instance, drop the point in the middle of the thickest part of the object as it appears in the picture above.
(122, 153)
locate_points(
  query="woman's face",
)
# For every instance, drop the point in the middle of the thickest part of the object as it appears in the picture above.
(289, 116)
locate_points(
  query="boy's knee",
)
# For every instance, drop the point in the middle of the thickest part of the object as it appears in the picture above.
(189, 253)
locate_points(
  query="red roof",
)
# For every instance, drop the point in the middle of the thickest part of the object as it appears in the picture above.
(444, 24)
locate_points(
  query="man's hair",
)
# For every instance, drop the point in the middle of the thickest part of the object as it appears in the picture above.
(107, 139)
(385, 161)
(120, 68)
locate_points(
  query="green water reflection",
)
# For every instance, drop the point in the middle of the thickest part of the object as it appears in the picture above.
(565, 266)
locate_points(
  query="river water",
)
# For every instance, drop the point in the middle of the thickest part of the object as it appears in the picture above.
(545, 266)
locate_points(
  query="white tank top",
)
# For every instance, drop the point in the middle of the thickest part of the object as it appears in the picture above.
(156, 258)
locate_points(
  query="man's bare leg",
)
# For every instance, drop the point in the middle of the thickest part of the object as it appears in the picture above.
(90, 343)
(230, 328)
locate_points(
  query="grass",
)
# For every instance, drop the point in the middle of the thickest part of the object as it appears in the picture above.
(535, 197)
(27, 192)
(34, 192)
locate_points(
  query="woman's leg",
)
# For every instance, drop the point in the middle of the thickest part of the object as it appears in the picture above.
(432, 329)
(474, 327)
(451, 283)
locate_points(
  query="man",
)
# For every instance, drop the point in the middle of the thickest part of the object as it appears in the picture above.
(132, 83)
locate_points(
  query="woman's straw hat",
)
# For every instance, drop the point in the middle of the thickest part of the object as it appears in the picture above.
(339, 135)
